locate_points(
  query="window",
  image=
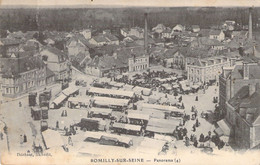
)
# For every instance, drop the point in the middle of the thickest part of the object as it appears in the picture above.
(6, 90)
(16, 89)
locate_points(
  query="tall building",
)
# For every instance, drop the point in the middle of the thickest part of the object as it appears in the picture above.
(243, 117)
(234, 78)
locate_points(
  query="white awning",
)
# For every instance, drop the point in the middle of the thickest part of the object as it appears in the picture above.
(135, 115)
(224, 126)
(127, 126)
(128, 87)
(52, 138)
(79, 99)
(70, 90)
(101, 110)
(164, 123)
(111, 92)
(59, 99)
(164, 108)
(111, 101)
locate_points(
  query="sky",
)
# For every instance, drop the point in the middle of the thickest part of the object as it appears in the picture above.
(149, 3)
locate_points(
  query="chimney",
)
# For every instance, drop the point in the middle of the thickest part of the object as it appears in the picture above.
(115, 55)
(145, 34)
(250, 30)
(245, 71)
(232, 61)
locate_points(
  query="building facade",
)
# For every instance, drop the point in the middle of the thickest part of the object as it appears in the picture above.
(138, 63)
(57, 62)
(243, 116)
(207, 69)
(22, 75)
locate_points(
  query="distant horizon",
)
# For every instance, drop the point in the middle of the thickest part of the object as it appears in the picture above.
(126, 3)
(112, 6)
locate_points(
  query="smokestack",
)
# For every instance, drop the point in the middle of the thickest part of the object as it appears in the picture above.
(145, 33)
(245, 71)
(250, 30)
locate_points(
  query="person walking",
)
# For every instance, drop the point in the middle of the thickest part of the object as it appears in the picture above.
(57, 124)
(24, 138)
(21, 139)
(70, 141)
(1, 135)
(194, 128)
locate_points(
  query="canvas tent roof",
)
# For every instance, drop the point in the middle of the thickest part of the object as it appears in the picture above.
(59, 99)
(127, 126)
(164, 108)
(160, 129)
(105, 111)
(111, 92)
(110, 101)
(135, 115)
(79, 99)
(70, 90)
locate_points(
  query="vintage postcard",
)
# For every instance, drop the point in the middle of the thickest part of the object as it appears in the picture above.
(129, 82)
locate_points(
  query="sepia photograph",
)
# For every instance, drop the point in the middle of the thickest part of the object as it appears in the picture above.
(129, 82)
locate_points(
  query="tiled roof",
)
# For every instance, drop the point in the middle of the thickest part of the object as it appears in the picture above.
(14, 66)
(209, 42)
(214, 32)
(8, 41)
(169, 53)
(254, 72)
(241, 94)
(111, 37)
(61, 55)
(204, 32)
(100, 38)
(49, 73)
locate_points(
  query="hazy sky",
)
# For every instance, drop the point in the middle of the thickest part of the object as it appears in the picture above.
(153, 3)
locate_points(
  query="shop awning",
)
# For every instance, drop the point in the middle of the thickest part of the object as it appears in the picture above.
(160, 130)
(59, 99)
(104, 111)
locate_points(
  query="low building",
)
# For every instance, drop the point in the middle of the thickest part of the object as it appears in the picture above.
(217, 34)
(137, 31)
(104, 39)
(8, 46)
(169, 58)
(21, 75)
(178, 28)
(195, 28)
(207, 69)
(159, 28)
(124, 32)
(166, 33)
(86, 33)
(120, 61)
